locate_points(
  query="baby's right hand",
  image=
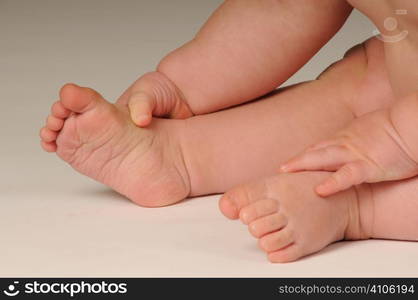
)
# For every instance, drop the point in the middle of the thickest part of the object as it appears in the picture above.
(153, 94)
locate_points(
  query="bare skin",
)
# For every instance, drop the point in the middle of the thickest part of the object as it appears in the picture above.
(401, 50)
(236, 52)
(348, 153)
(99, 140)
(381, 145)
(290, 220)
(387, 152)
(203, 154)
(199, 153)
(210, 154)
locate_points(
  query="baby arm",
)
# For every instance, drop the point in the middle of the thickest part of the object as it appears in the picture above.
(246, 49)
(379, 146)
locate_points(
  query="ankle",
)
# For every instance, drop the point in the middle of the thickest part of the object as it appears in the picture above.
(196, 158)
(361, 214)
(169, 138)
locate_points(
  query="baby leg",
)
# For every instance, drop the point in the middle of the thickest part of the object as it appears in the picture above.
(394, 210)
(397, 21)
(230, 147)
(245, 50)
(207, 154)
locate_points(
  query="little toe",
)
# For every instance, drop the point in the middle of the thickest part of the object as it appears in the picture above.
(257, 210)
(276, 240)
(59, 111)
(54, 123)
(287, 254)
(48, 135)
(234, 200)
(49, 147)
(267, 224)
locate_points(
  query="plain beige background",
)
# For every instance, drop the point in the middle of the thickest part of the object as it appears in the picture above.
(55, 222)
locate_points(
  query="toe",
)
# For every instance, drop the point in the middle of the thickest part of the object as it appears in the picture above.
(48, 135)
(234, 200)
(54, 123)
(276, 240)
(59, 111)
(284, 255)
(49, 147)
(79, 99)
(228, 208)
(268, 224)
(141, 107)
(258, 210)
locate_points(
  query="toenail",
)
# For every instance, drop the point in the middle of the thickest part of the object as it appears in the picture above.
(231, 205)
(244, 217)
(141, 119)
(263, 245)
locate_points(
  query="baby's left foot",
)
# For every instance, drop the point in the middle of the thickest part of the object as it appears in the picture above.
(289, 219)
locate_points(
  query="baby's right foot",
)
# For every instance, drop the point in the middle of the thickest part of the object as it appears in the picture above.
(291, 221)
(99, 140)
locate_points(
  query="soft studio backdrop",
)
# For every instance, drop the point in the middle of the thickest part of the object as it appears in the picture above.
(55, 222)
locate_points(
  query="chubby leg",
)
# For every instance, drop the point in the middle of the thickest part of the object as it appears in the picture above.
(397, 21)
(173, 159)
(395, 210)
(245, 50)
(230, 147)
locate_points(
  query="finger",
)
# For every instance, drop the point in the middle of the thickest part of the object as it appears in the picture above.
(326, 159)
(141, 106)
(347, 176)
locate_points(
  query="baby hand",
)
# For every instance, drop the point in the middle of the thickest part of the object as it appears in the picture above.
(153, 94)
(369, 149)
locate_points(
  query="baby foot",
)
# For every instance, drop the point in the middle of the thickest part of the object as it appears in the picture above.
(289, 219)
(99, 140)
(153, 94)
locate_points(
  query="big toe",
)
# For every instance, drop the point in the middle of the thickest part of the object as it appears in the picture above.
(235, 199)
(79, 99)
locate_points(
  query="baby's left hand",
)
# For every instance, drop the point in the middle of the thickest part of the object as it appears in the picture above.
(369, 149)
